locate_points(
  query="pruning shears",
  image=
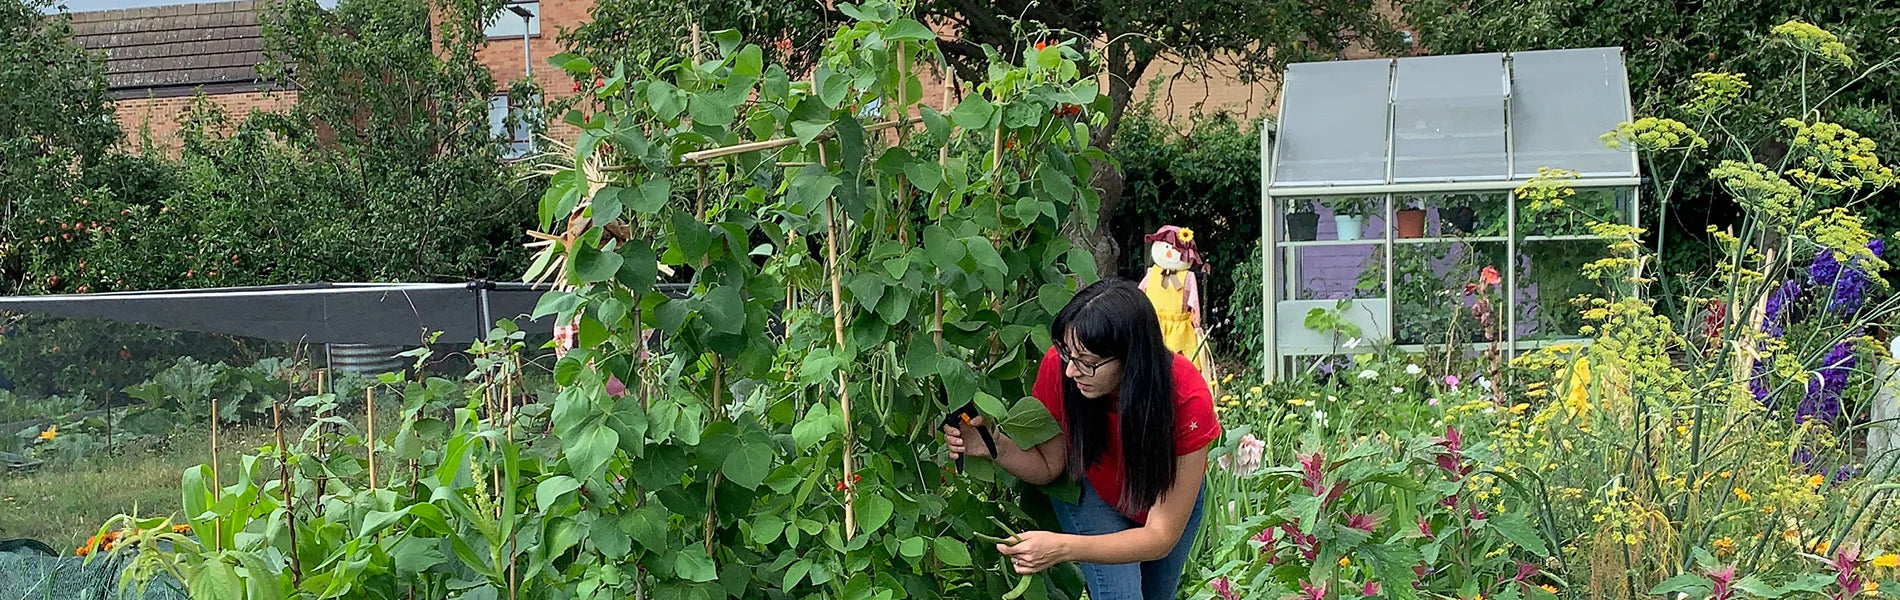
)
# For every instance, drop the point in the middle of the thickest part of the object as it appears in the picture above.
(961, 417)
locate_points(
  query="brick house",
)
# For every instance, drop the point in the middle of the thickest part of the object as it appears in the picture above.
(159, 58)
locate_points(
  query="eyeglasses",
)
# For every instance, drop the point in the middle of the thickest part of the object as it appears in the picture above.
(1085, 369)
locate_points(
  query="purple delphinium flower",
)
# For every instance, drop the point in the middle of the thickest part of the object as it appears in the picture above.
(1778, 304)
(1823, 400)
(1825, 268)
(1758, 382)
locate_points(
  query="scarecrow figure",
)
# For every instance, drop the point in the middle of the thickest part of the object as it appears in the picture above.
(1171, 285)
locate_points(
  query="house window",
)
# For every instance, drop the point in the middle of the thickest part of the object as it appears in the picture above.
(520, 138)
(507, 24)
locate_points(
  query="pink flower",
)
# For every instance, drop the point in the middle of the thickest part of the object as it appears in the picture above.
(1223, 587)
(1451, 380)
(1309, 591)
(1314, 466)
(1265, 536)
(1371, 589)
(1362, 522)
(1490, 275)
(1246, 459)
(1721, 578)
(1425, 527)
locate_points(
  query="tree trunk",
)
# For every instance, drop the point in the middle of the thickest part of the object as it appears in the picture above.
(1124, 67)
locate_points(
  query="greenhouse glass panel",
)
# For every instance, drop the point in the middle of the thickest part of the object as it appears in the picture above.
(1561, 102)
(1448, 118)
(1342, 107)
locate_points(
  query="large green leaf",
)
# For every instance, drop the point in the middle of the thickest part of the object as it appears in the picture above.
(552, 489)
(908, 29)
(650, 197)
(216, 580)
(952, 552)
(609, 538)
(590, 449)
(639, 268)
(749, 461)
(1029, 423)
(593, 266)
(646, 525)
(1514, 527)
(974, 112)
(873, 511)
(766, 528)
(665, 100)
(693, 566)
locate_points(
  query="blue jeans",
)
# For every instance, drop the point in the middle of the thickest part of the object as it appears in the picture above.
(1150, 580)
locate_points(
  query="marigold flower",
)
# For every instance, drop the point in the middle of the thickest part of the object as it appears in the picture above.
(50, 433)
(1887, 561)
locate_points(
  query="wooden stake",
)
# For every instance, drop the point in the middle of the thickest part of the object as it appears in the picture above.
(837, 324)
(369, 414)
(217, 527)
(703, 156)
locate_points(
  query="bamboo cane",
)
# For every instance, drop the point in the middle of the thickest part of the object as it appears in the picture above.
(837, 325)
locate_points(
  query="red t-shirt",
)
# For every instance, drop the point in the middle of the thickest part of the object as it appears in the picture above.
(1194, 423)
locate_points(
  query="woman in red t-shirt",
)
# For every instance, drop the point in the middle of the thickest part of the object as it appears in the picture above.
(1137, 421)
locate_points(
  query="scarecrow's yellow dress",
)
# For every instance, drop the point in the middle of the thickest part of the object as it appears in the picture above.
(1175, 296)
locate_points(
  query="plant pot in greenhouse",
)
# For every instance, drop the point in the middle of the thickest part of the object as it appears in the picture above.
(1462, 219)
(1410, 223)
(1350, 227)
(1302, 226)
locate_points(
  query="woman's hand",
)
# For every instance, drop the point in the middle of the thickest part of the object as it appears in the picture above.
(957, 439)
(1036, 551)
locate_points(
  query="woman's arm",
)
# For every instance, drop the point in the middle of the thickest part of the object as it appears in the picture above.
(1167, 522)
(1039, 464)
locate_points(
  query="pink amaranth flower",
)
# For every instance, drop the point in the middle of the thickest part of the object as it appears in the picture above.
(1362, 522)
(1721, 579)
(1313, 465)
(1309, 591)
(1846, 563)
(1223, 587)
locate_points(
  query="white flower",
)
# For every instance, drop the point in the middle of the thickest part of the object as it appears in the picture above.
(1413, 370)
(1484, 383)
(1319, 418)
(1368, 374)
(1489, 410)
(1332, 398)
(1396, 390)
(1352, 343)
(1246, 459)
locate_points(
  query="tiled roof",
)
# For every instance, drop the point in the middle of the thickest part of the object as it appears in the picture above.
(176, 50)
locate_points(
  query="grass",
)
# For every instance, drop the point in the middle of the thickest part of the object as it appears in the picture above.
(63, 504)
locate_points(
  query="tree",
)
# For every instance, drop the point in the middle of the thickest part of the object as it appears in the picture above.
(1667, 42)
(1257, 39)
(59, 121)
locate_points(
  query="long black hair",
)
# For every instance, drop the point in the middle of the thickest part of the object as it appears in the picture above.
(1113, 319)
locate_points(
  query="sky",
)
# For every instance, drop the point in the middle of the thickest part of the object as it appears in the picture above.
(91, 5)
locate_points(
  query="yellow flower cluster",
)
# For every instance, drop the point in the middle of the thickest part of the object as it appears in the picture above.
(1714, 91)
(1815, 40)
(1548, 189)
(1759, 188)
(1844, 232)
(1839, 151)
(1653, 134)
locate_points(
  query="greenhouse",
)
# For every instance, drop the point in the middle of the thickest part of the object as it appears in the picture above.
(1389, 186)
